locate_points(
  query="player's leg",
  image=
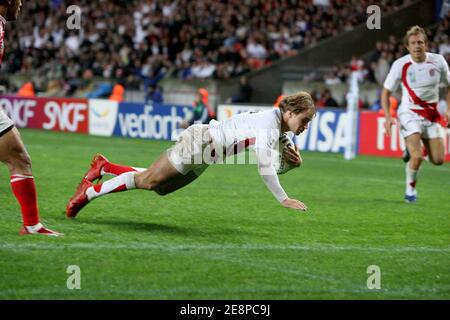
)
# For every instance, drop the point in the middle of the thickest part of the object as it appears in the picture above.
(163, 176)
(179, 181)
(180, 161)
(433, 141)
(101, 166)
(406, 156)
(436, 150)
(14, 154)
(157, 174)
(413, 143)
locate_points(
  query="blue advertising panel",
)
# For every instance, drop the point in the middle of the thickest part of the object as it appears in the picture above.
(149, 121)
(327, 132)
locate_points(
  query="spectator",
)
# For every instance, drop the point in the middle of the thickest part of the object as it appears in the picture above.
(202, 112)
(203, 69)
(27, 90)
(326, 100)
(118, 92)
(444, 47)
(141, 42)
(375, 69)
(155, 95)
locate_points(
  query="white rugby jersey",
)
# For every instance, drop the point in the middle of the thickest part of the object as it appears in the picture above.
(420, 84)
(260, 130)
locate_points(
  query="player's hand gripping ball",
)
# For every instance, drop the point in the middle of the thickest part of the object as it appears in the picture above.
(281, 163)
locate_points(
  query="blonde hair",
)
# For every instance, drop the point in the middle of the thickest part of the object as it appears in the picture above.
(415, 31)
(297, 103)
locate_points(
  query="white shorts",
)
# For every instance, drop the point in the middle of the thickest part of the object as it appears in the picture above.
(410, 124)
(192, 151)
(5, 122)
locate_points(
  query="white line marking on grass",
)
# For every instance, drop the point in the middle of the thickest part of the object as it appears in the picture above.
(379, 180)
(231, 246)
(265, 266)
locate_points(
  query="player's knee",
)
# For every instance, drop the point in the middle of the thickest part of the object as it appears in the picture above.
(146, 181)
(161, 191)
(417, 158)
(438, 161)
(144, 184)
(20, 161)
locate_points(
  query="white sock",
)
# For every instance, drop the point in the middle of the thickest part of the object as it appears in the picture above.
(411, 180)
(120, 183)
(34, 228)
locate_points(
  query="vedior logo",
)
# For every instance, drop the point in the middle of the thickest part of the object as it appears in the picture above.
(148, 125)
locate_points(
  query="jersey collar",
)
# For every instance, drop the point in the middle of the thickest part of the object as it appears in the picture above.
(427, 56)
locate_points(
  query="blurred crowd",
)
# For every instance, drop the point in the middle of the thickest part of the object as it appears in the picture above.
(376, 67)
(141, 42)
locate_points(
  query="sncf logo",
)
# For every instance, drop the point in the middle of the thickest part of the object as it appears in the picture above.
(65, 116)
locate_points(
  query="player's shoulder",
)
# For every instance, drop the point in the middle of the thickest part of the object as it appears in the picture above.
(400, 62)
(269, 117)
(436, 58)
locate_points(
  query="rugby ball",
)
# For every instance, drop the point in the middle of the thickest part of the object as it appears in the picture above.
(280, 164)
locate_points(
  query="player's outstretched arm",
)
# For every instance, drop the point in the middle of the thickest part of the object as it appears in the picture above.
(270, 178)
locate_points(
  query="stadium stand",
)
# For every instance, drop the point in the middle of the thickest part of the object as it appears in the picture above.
(143, 42)
(376, 65)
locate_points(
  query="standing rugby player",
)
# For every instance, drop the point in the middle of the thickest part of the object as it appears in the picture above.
(12, 150)
(419, 73)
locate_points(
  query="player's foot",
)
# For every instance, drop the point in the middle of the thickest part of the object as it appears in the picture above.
(410, 199)
(78, 200)
(39, 229)
(406, 156)
(95, 171)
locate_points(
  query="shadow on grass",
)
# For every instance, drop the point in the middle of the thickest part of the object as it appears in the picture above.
(139, 226)
(151, 227)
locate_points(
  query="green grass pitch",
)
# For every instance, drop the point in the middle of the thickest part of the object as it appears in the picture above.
(225, 236)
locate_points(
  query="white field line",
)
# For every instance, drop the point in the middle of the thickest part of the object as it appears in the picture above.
(212, 255)
(267, 266)
(379, 180)
(174, 247)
